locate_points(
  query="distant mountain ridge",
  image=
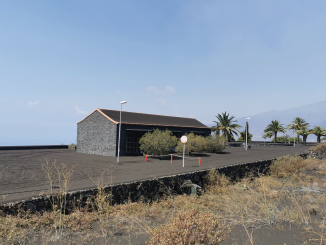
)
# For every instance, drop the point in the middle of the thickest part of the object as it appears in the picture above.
(314, 114)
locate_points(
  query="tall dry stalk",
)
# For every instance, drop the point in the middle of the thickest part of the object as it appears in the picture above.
(58, 178)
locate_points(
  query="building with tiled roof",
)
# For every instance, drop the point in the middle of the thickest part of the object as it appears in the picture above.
(98, 132)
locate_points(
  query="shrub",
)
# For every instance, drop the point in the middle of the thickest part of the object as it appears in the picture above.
(157, 143)
(199, 144)
(320, 148)
(195, 143)
(72, 146)
(215, 143)
(286, 166)
(190, 227)
(216, 183)
(291, 140)
(287, 139)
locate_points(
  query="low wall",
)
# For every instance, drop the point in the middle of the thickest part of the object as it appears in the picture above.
(315, 155)
(30, 147)
(146, 190)
(266, 143)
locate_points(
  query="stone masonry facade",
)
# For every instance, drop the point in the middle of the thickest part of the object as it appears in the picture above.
(97, 135)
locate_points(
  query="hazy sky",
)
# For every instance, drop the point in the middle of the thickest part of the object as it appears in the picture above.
(60, 60)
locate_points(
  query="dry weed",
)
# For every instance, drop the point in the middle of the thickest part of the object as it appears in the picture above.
(320, 148)
(289, 165)
(189, 227)
(216, 183)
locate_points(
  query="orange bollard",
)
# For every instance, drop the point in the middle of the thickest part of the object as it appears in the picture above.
(145, 158)
(199, 161)
(171, 158)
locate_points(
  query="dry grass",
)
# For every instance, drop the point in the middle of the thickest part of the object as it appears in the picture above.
(292, 193)
(320, 148)
(189, 227)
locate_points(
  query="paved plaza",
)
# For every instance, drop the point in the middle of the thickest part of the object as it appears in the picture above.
(22, 175)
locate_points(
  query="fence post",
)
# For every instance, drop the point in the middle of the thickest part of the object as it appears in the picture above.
(199, 161)
(145, 158)
(171, 158)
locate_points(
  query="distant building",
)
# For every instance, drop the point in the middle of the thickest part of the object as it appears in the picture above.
(98, 132)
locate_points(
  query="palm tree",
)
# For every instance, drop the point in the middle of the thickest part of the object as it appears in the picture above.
(304, 131)
(324, 138)
(319, 131)
(268, 135)
(274, 127)
(227, 125)
(243, 136)
(297, 124)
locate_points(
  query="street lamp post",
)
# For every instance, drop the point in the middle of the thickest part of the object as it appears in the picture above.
(294, 136)
(247, 133)
(122, 102)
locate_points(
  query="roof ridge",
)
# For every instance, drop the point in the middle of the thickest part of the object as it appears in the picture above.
(87, 116)
(99, 110)
(150, 114)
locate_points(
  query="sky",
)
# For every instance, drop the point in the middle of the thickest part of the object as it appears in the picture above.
(60, 60)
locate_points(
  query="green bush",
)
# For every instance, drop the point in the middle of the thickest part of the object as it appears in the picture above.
(194, 143)
(215, 143)
(287, 140)
(291, 140)
(199, 144)
(157, 143)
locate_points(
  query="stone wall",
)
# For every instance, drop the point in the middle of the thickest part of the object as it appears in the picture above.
(97, 135)
(146, 190)
(315, 155)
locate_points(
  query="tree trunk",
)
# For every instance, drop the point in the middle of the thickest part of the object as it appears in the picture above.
(304, 139)
(298, 137)
(318, 139)
(275, 133)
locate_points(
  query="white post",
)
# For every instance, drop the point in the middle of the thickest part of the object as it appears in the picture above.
(294, 141)
(294, 136)
(184, 141)
(122, 102)
(183, 155)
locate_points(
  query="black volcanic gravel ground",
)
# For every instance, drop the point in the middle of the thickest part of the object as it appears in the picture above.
(22, 176)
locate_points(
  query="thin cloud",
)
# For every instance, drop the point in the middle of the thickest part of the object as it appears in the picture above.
(167, 91)
(32, 103)
(79, 111)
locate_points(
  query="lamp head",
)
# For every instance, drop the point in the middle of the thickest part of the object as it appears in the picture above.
(123, 102)
(248, 118)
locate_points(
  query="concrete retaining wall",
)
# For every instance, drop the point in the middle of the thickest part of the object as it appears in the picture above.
(146, 190)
